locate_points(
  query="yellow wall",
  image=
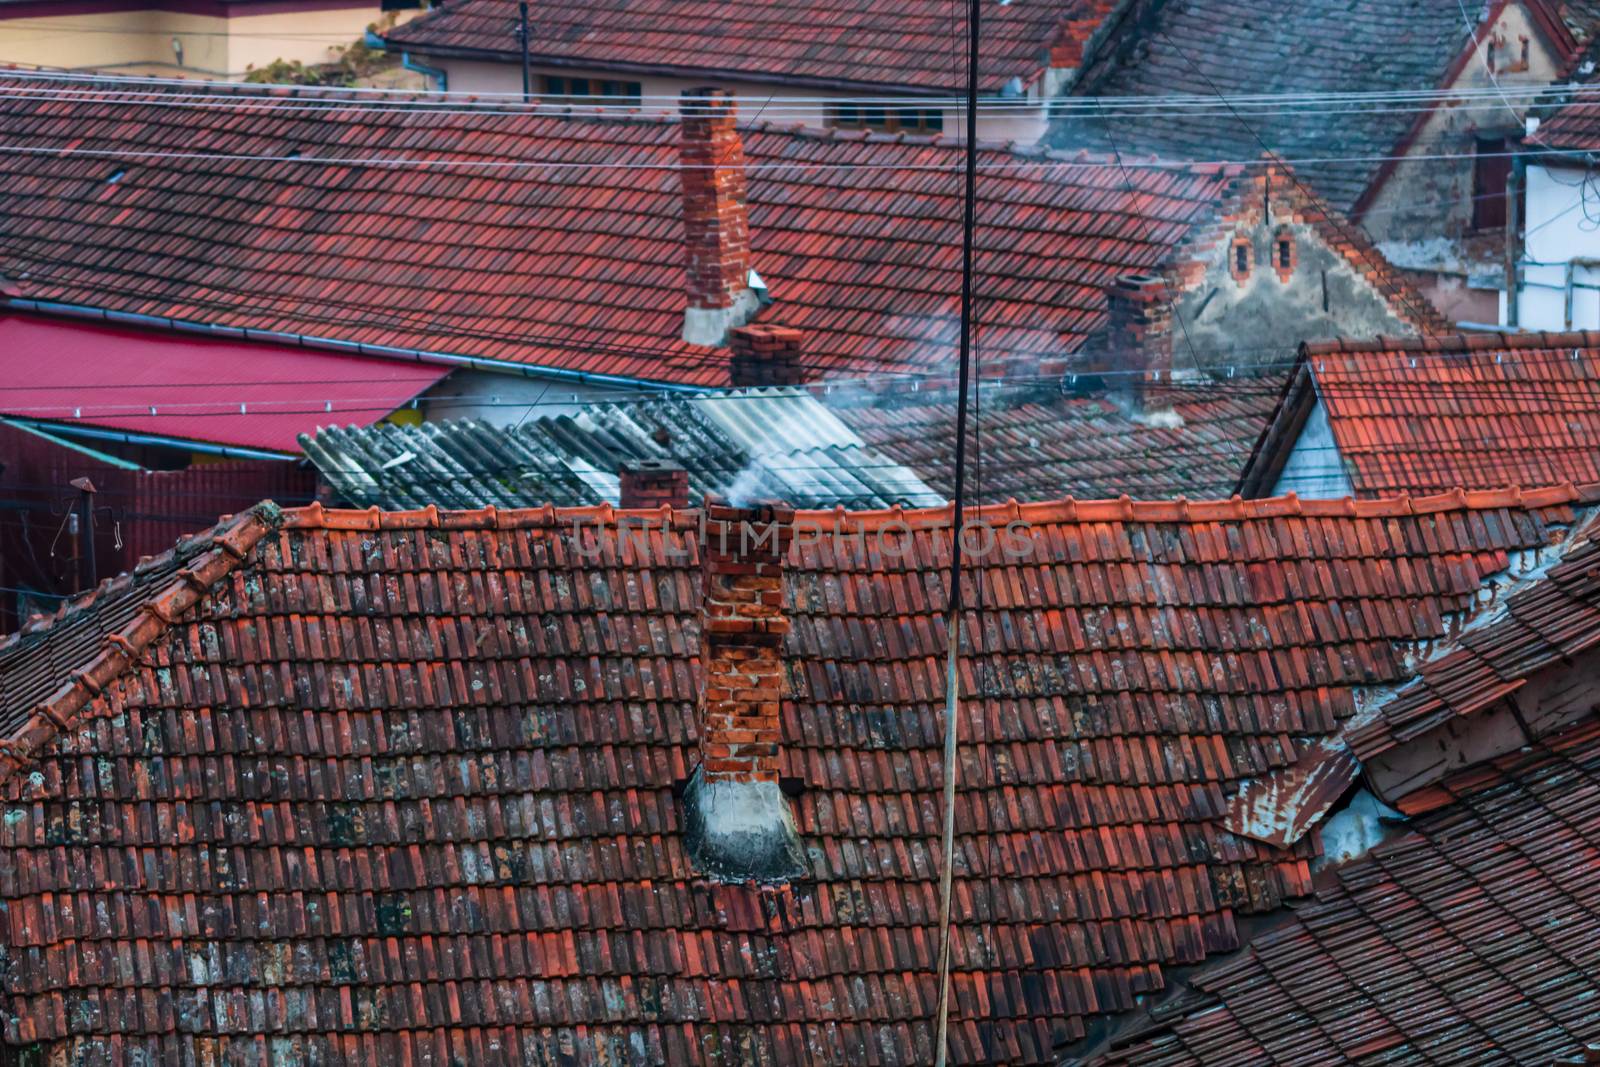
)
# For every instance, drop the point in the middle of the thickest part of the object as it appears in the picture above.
(141, 42)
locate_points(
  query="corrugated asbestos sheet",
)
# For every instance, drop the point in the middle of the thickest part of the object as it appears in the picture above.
(779, 443)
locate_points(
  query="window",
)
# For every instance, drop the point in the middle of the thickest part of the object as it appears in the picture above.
(559, 87)
(1491, 166)
(890, 119)
(1284, 258)
(1239, 259)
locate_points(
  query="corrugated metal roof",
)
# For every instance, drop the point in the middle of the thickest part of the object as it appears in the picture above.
(781, 443)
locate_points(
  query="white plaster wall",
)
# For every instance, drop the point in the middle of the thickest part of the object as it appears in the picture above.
(1562, 210)
(1314, 470)
(503, 399)
(785, 105)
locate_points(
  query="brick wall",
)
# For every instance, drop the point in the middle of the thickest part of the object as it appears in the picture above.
(715, 222)
(765, 354)
(650, 483)
(742, 632)
(1135, 354)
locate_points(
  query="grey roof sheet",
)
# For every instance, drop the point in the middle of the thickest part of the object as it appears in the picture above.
(781, 443)
(1033, 444)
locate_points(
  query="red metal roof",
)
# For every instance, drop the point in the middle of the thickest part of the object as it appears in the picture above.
(429, 762)
(228, 392)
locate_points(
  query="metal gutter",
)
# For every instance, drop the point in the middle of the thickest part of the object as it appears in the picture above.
(181, 443)
(442, 78)
(416, 355)
(73, 446)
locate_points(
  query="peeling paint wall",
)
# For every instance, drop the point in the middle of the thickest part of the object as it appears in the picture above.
(1261, 320)
(1426, 198)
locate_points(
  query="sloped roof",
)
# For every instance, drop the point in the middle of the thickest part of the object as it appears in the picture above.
(1254, 47)
(837, 43)
(1476, 411)
(1473, 939)
(777, 443)
(538, 237)
(856, 451)
(426, 766)
(223, 390)
(1034, 446)
(1575, 128)
(1549, 622)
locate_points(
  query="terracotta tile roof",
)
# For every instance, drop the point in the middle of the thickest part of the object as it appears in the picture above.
(837, 43)
(779, 443)
(1575, 128)
(424, 768)
(1035, 447)
(1473, 939)
(1248, 47)
(531, 264)
(1549, 622)
(1477, 411)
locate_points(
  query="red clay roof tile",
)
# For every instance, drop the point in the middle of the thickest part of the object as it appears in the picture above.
(474, 237)
(402, 784)
(1426, 415)
(1472, 939)
(823, 42)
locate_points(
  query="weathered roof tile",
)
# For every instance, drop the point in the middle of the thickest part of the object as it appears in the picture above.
(403, 785)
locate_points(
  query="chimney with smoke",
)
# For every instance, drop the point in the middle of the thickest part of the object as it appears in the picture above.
(715, 218)
(765, 354)
(1133, 356)
(650, 483)
(739, 826)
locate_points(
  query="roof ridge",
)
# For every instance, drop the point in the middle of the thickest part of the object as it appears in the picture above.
(349, 95)
(1488, 340)
(315, 516)
(231, 542)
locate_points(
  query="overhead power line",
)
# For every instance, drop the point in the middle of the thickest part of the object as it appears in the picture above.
(99, 85)
(1019, 160)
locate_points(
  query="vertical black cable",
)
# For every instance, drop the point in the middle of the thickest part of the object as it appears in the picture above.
(953, 614)
(522, 32)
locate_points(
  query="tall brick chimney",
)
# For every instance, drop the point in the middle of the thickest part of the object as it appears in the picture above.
(764, 354)
(739, 826)
(715, 219)
(649, 483)
(1134, 355)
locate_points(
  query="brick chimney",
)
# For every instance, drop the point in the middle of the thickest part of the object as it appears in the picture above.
(764, 354)
(1133, 356)
(715, 219)
(649, 483)
(739, 826)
